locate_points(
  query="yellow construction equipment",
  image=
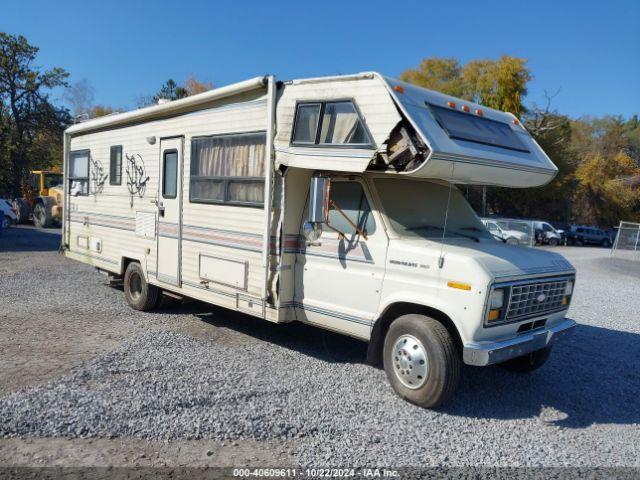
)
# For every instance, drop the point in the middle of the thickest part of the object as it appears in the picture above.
(42, 199)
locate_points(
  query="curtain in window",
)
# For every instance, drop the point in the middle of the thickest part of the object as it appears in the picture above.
(230, 156)
(229, 168)
(341, 125)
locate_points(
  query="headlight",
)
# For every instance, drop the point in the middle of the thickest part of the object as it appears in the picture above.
(568, 289)
(496, 299)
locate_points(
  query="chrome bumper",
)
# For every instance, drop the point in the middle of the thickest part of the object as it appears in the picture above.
(488, 353)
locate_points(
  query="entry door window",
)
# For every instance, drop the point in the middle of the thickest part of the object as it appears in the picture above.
(170, 174)
(348, 198)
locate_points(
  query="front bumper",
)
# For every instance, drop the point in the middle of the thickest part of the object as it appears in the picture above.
(488, 353)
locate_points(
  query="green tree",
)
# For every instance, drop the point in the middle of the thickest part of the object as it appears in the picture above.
(32, 126)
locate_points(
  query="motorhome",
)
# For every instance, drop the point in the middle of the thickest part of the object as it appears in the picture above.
(331, 201)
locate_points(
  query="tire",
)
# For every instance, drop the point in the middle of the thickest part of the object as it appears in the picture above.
(433, 373)
(553, 242)
(6, 221)
(138, 293)
(606, 243)
(512, 241)
(529, 362)
(22, 210)
(41, 218)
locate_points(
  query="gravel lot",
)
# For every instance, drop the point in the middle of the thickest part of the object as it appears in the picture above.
(85, 380)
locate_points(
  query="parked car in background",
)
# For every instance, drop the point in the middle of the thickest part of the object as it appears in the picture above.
(546, 234)
(8, 214)
(580, 235)
(512, 237)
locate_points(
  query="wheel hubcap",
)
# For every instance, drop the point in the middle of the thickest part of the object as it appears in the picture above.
(135, 286)
(410, 362)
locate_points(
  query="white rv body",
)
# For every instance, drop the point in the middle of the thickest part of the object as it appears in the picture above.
(252, 256)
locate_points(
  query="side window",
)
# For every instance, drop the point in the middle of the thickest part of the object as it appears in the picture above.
(79, 173)
(228, 169)
(329, 124)
(546, 227)
(493, 227)
(350, 198)
(170, 174)
(115, 165)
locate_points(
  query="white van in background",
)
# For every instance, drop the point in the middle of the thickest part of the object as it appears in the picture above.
(329, 201)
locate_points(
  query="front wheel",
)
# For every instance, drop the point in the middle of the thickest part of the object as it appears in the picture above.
(606, 243)
(512, 241)
(139, 294)
(553, 242)
(6, 221)
(421, 360)
(529, 362)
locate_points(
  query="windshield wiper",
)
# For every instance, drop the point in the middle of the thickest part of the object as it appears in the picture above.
(435, 227)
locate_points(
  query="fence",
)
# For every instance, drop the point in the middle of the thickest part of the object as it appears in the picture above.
(512, 231)
(627, 242)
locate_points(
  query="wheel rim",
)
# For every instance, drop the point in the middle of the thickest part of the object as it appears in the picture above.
(410, 362)
(135, 286)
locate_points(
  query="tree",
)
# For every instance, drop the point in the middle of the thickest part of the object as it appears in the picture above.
(80, 97)
(31, 124)
(500, 84)
(101, 111)
(170, 90)
(193, 86)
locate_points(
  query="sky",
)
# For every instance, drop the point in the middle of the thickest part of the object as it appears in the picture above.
(586, 53)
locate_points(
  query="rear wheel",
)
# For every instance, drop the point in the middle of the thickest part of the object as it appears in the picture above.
(138, 293)
(421, 360)
(40, 217)
(512, 241)
(6, 221)
(606, 242)
(553, 242)
(529, 362)
(22, 210)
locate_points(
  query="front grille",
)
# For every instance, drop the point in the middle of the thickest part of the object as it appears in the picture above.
(531, 299)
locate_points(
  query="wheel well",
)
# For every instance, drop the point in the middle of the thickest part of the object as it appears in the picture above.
(380, 328)
(125, 263)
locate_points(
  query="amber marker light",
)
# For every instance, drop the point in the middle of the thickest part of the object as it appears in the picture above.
(516, 121)
(459, 285)
(451, 104)
(465, 108)
(479, 112)
(399, 88)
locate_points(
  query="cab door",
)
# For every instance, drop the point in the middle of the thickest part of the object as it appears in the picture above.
(338, 278)
(169, 211)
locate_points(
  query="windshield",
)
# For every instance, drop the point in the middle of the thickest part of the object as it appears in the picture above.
(417, 209)
(52, 180)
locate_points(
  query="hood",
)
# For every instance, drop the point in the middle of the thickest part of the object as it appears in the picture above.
(500, 260)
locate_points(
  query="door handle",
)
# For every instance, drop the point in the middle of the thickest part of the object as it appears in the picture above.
(161, 210)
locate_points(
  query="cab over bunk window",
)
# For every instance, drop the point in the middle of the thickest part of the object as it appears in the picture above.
(329, 124)
(228, 169)
(79, 173)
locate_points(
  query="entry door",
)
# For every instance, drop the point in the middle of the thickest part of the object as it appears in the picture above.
(339, 277)
(169, 211)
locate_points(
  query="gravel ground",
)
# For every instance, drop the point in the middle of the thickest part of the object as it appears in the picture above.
(197, 375)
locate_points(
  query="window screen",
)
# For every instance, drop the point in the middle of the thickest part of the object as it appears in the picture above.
(463, 126)
(329, 124)
(351, 199)
(170, 174)
(228, 169)
(79, 173)
(115, 165)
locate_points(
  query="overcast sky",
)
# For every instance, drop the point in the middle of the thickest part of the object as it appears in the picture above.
(587, 50)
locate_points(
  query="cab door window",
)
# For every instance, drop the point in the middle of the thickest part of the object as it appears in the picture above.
(347, 199)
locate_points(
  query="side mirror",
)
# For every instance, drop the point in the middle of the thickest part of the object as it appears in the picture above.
(319, 189)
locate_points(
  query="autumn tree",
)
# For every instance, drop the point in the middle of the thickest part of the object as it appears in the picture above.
(499, 84)
(31, 125)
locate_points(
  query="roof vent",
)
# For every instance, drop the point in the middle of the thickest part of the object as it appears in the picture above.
(162, 101)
